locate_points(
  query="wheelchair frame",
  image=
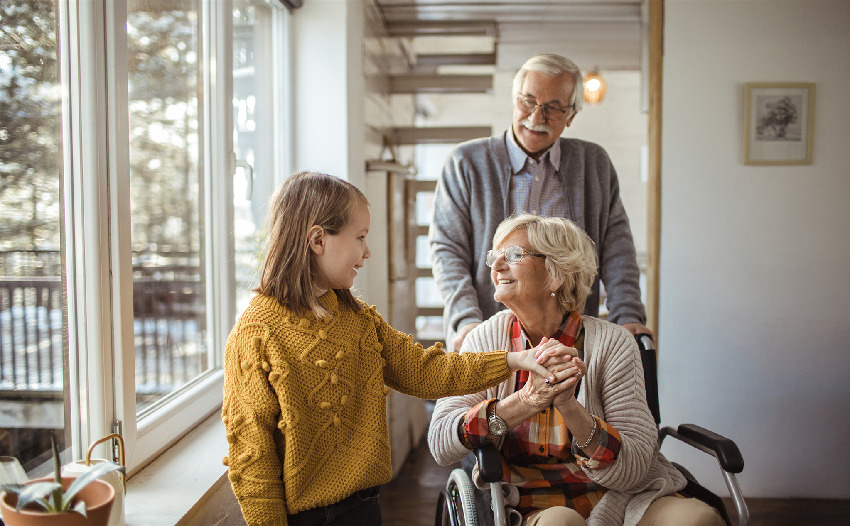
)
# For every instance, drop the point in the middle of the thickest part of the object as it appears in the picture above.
(456, 502)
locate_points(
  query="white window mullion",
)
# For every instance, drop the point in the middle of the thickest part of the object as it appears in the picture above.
(86, 211)
(124, 367)
(219, 170)
(283, 88)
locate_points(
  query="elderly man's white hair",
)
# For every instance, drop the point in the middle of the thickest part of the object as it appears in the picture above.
(553, 65)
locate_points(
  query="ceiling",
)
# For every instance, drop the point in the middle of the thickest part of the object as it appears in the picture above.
(593, 33)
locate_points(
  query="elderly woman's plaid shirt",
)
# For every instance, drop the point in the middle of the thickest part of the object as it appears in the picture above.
(538, 456)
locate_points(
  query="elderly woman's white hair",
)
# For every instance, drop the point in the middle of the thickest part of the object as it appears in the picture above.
(571, 258)
(553, 65)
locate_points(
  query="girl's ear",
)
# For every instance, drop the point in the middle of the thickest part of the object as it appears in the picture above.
(316, 239)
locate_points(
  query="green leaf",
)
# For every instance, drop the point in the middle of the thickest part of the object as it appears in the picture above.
(14, 488)
(57, 476)
(80, 507)
(33, 493)
(96, 471)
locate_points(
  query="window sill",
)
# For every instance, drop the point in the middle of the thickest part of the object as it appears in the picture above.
(180, 487)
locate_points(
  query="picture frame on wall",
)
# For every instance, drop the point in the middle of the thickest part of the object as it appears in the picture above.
(778, 122)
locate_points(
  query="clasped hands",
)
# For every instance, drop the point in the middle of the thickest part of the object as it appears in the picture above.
(563, 369)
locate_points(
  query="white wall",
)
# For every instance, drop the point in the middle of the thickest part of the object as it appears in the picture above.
(329, 85)
(755, 281)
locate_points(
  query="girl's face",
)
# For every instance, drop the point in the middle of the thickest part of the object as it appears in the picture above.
(523, 283)
(338, 256)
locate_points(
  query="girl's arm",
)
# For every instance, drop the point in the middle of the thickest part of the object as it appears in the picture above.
(249, 413)
(434, 373)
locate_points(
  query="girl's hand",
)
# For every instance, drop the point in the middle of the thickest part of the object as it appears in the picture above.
(527, 360)
(550, 352)
(539, 359)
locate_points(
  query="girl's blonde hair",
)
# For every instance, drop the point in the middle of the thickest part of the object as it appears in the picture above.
(302, 201)
(570, 254)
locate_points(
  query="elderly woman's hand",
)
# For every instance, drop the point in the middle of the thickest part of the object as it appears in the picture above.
(575, 370)
(540, 390)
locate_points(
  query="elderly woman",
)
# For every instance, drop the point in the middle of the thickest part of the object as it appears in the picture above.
(582, 450)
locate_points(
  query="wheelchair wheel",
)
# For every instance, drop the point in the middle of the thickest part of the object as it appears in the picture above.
(456, 504)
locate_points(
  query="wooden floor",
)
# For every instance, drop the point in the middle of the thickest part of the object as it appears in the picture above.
(411, 499)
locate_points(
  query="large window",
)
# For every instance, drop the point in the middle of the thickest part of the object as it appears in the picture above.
(131, 135)
(33, 327)
(165, 80)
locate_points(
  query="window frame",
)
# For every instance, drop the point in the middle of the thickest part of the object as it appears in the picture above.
(98, 248)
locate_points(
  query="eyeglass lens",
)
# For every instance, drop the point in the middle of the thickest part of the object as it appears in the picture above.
(528, 106)
(512, 255)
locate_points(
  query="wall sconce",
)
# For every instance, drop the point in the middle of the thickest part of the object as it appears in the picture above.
(594, 87)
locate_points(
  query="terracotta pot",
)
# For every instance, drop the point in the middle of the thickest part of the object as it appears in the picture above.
(98, 497)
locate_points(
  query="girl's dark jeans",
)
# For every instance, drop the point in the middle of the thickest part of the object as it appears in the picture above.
(361, 508)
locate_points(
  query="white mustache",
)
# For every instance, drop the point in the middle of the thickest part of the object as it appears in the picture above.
(526, 123)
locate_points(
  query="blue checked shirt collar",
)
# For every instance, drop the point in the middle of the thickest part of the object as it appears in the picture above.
(518, 157)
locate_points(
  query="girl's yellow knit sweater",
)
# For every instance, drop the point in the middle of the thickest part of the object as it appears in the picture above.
(305, 407)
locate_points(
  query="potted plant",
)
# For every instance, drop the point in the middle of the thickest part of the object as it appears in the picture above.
(60, 501)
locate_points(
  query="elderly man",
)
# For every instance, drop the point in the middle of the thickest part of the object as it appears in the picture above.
(530, 168)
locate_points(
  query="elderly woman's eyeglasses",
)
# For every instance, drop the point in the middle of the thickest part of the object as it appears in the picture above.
(512, 255)
(549, 111)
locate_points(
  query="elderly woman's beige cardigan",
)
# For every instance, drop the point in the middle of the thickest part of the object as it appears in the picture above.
(613, 389)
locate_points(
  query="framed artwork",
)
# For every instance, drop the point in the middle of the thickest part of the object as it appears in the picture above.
(778, 121)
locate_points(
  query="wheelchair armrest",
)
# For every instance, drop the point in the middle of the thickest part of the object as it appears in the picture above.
(724, 449)
(489, 463)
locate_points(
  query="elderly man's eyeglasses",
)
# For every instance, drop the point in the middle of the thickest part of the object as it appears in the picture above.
(549, 111)
(512, 255)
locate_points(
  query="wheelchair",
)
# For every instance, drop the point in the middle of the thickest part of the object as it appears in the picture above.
(460, 503)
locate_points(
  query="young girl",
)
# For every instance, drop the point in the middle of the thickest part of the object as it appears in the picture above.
(308, 367)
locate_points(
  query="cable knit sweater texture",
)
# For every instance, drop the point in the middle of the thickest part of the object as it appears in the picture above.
(305, 402)
(613, 390)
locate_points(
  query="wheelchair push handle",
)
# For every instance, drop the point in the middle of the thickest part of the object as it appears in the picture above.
(645, 342)
(648, 358)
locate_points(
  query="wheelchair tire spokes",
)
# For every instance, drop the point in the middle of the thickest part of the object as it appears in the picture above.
(459, 498)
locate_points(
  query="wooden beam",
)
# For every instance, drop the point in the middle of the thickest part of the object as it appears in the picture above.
(440, 83)
(453, 59)
(439, 28)
(439, 134)
(429, 311)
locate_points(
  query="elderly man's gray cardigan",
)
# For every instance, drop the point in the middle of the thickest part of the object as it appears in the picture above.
(472, 198)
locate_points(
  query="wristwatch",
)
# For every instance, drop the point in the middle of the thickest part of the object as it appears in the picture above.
(495, 425)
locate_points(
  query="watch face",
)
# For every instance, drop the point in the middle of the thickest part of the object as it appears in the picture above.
(497, 426)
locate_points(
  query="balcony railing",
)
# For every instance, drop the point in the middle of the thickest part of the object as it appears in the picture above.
(169, 327)
(31, 356)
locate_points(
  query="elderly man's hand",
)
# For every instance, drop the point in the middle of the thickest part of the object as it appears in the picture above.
(637, 328)
(461, 335)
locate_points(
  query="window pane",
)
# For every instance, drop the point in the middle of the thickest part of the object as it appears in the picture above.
(252, 120)
(33, 327)
(167, 195)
